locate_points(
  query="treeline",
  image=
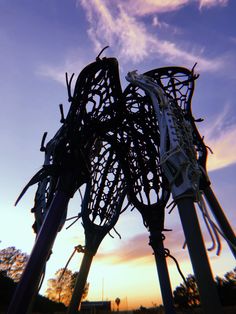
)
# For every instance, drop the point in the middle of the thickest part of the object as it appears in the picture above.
(41, 304)
(60, 288)
(186, 295)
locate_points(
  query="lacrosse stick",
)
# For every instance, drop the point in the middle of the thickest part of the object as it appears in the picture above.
(103, 200)
(139, 155)
(67, 166)
(205, 186)
(104, 196)
(178, 83)
(179, 163)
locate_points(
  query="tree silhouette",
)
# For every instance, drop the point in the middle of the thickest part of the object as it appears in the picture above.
(60, 288)
(13, 261)
(227, 288)
(188, 296)
(41, 304)
(7, 287)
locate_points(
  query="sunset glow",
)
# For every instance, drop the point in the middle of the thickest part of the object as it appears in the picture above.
(40, 41)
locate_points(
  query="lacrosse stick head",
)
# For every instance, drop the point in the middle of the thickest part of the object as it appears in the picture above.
(97, 95)
(93, 112)
(104, 195)
(139, 154)
(170, 94)
(178, 83)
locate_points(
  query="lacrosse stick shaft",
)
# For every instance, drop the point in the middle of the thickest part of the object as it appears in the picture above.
(162, 270)
(38, 258)
(220, 218)
(31, 304)
(80, 283)
(201, 267)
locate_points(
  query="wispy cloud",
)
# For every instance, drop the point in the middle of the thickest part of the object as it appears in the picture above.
(119, 26)
(232, 39)
(146, 7)
(212, 3)
(52, 72)
(156, 22)
(220, 136)
(141, 7)
(72, 64)
(123, 32)
(133, 249)
(138, 249)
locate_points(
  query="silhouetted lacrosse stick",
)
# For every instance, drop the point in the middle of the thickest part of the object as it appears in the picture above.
(56, 185)
(147, 187)
(178, 83)
(67, 164)
(178, 159)
(105, 191)
(102, 204)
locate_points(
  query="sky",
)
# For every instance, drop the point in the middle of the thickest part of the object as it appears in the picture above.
(39, 42)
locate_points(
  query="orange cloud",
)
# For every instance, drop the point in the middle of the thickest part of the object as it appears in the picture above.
(134, 248)
(137, 249)
(220, 137)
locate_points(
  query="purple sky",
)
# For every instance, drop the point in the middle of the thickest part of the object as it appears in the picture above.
(41, 40)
